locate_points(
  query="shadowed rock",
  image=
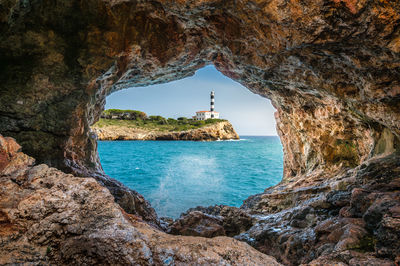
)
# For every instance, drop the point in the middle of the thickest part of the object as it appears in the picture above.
(352, 218)
(204, 221)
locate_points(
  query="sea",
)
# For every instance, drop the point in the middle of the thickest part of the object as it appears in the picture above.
(177, 175)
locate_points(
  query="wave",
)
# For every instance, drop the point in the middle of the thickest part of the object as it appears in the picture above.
(188, 181)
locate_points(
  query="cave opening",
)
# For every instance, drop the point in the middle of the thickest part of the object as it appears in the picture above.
(333, 78)
(177, 175)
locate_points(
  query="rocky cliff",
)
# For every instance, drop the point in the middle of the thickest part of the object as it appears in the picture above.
(216, 131)
(330, 67)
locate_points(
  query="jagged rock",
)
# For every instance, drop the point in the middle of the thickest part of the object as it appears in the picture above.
(131, 201)
(233, 220)
(53, 218)
(197, 223)
(216, 131)
(355, 221)
(350, 258)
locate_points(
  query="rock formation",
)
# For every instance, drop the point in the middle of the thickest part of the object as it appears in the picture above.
(353, 217)
(48, 217)
(330, 67)
(216, 131)
(212, 221)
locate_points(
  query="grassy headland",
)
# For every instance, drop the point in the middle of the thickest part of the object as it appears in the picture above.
(138, 119)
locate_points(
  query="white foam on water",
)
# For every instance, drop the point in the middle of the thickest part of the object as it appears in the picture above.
(188, 182)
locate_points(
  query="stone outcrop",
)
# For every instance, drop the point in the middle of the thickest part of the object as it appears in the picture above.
(352, 218)
(197, 223)
(216, 131)
(330, 67)
(212, 221)
(48, 217)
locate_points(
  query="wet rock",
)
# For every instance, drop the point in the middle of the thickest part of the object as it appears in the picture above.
(233, 220)
(197, 223)
(303, 217)
(356, 226)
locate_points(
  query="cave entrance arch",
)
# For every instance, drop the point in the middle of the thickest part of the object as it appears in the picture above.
(176, 176)
(335, 88)
(333, 79)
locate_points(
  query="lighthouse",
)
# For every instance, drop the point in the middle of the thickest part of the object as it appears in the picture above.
(212, 104)
(204, 115)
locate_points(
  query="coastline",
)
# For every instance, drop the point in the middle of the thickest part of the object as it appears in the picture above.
(212, 132)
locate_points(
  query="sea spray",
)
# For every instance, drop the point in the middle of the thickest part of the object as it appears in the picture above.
(188, 180)
(177, 175)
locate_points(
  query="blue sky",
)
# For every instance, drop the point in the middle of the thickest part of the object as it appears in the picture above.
(249, 113)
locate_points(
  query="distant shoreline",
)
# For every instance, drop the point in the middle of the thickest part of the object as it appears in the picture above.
(121, 130)
(241, 137)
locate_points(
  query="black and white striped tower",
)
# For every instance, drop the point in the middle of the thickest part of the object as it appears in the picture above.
(212, 104)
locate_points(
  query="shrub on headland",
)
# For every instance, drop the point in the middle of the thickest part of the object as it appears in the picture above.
(123, 114)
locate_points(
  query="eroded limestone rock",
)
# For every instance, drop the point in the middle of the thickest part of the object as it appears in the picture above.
(352, 218)
(211, 221)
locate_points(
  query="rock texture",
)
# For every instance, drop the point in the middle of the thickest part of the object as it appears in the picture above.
(330, 67)
(211, 221)
(333, 78)
(216, 131)
(48, 217)
(352, 218)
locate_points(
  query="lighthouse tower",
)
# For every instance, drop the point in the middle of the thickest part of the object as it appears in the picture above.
(204, 115)
(212, 104)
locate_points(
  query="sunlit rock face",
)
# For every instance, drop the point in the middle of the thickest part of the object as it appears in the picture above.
(217, 131)
(330, 67)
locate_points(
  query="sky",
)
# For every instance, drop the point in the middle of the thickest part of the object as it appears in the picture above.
(249, 113)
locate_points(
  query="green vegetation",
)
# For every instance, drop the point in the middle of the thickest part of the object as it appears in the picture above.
(138, 119)
(123, 114)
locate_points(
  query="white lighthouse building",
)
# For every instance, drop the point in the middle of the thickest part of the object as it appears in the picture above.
(204, 115)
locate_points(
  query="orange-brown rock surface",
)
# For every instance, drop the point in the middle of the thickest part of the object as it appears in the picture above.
(48, 217)
(330, 67)
(216, 131)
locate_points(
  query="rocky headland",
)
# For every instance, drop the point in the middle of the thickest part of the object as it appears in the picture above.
(330, 67)
(215, 131)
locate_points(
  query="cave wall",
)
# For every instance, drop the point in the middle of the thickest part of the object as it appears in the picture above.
(331, 68)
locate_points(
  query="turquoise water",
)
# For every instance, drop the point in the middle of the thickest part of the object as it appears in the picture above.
(177, 175)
